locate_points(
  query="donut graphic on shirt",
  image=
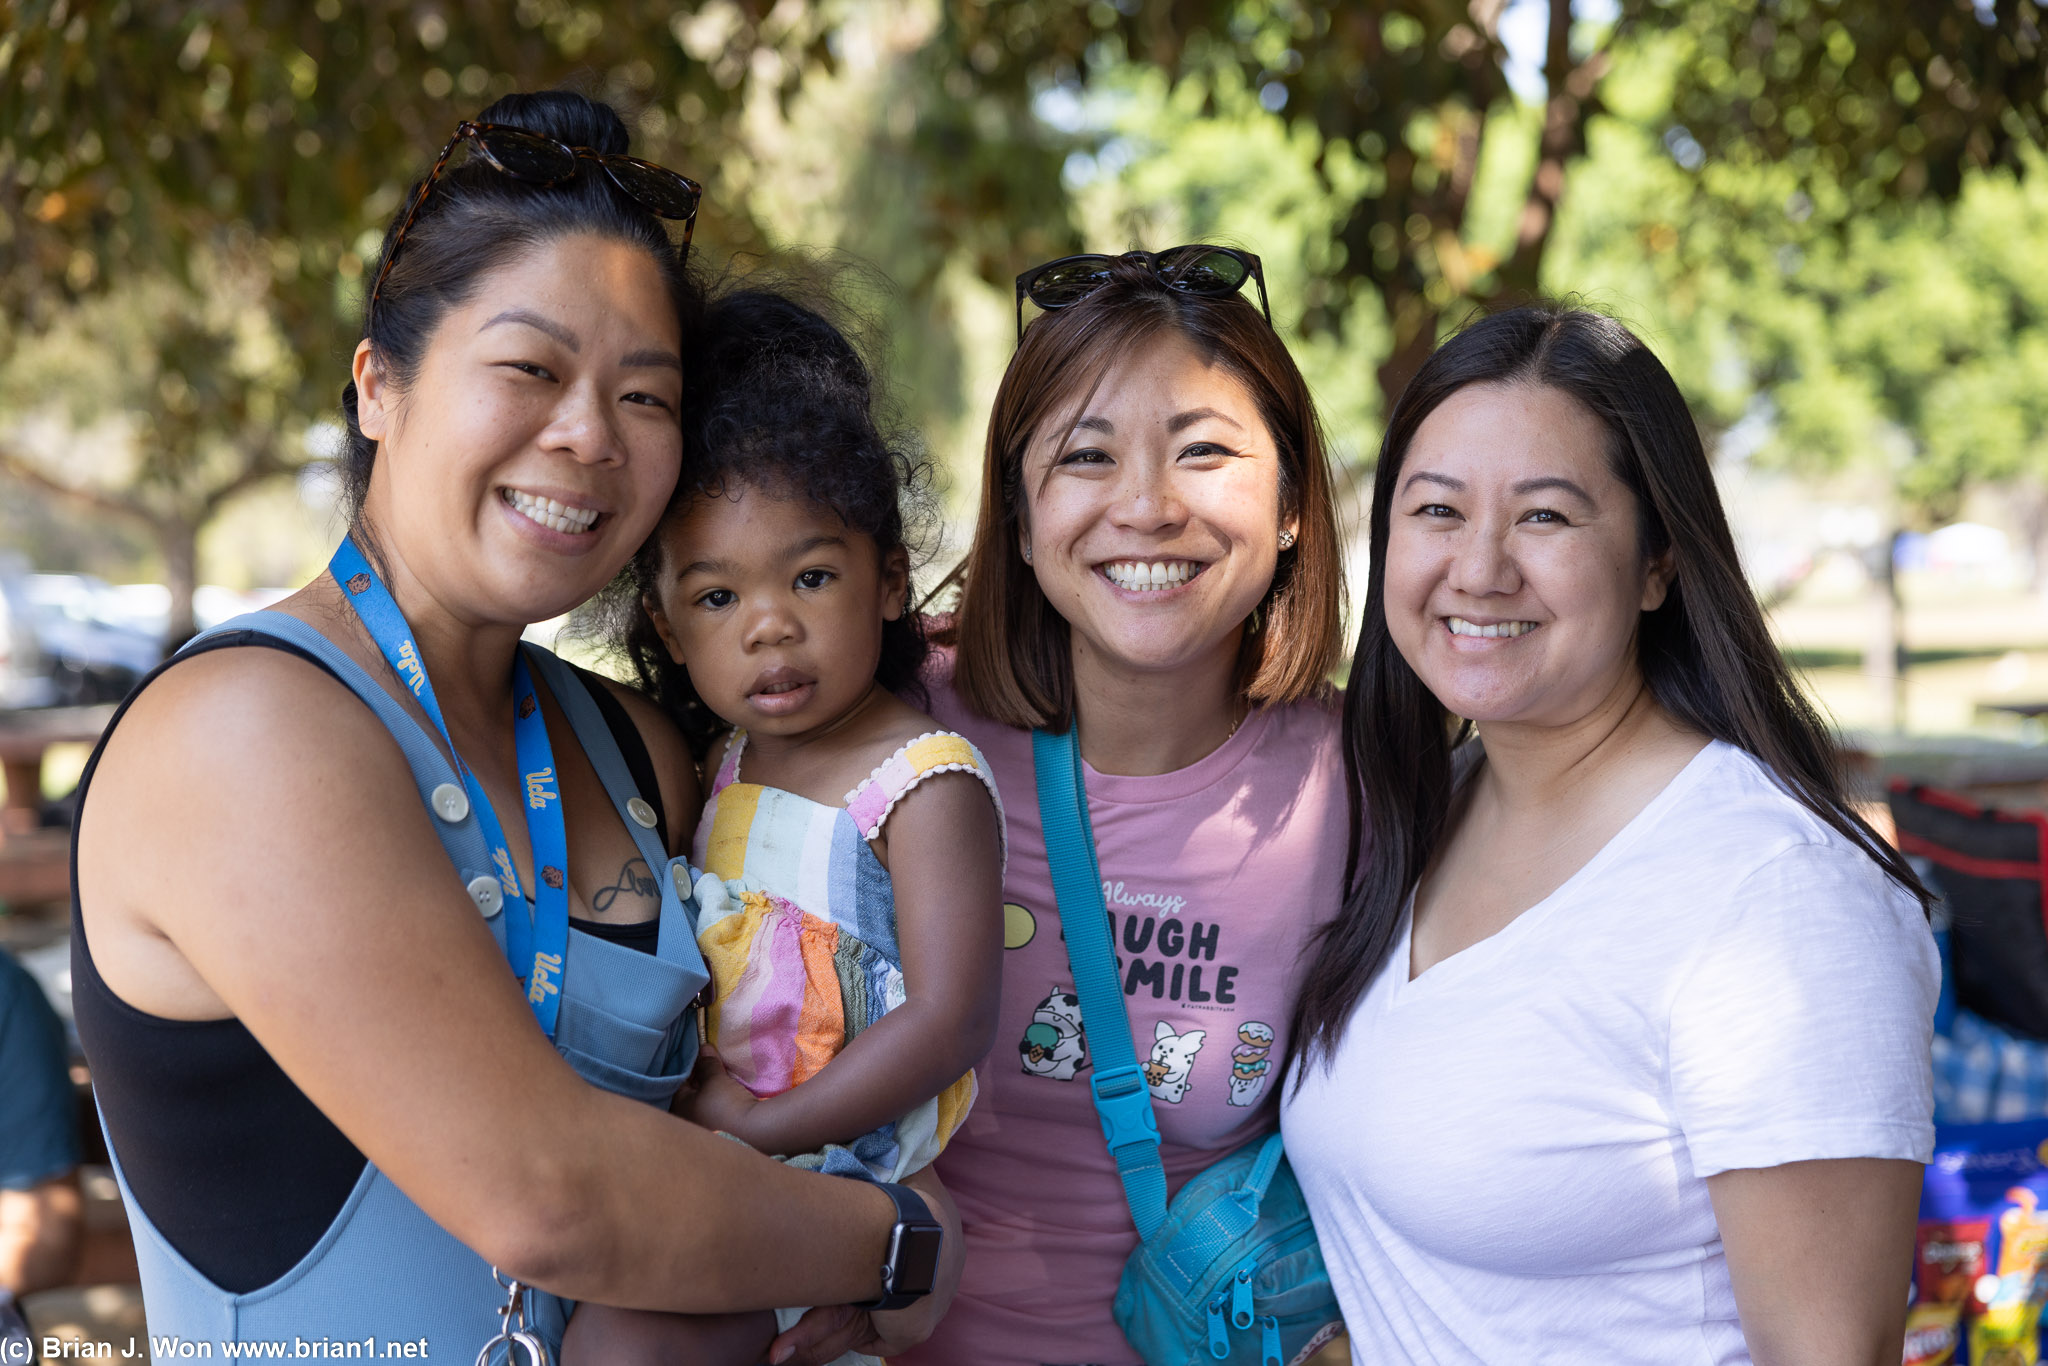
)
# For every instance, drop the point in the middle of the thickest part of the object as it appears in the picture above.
(1054, 1043)
(1249, 1063)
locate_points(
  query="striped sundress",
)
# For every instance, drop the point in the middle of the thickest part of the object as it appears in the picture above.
(797, 922)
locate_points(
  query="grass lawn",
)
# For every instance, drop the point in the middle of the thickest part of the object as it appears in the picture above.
(1968, 643)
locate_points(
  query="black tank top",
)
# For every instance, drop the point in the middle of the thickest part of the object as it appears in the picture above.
(239, 1171)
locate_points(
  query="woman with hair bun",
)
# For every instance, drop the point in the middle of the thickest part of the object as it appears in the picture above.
(1618, 1050)
(309, 846)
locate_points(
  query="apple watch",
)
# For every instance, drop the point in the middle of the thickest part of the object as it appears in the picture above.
(913, 1261)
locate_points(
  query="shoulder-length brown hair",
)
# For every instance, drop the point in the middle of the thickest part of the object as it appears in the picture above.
(1013, 664)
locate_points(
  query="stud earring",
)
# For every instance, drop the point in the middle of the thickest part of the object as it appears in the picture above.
(1027, 552)
(1286, 539)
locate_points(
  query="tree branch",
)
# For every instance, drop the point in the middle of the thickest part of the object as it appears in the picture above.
(1565, 112)
(260, 462)
(24, 471)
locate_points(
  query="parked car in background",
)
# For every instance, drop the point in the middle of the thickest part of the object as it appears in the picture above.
(63, 641)
(91, 654)
(74, 640)
(24, 677)
(147, 606)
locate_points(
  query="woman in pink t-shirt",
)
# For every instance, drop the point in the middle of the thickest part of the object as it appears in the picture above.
(1157, 556)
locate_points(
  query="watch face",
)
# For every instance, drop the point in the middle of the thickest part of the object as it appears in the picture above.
(917, 1259)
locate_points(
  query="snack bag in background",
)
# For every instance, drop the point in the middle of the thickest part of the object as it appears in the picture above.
(1980, 1262)
(1948, 1259)
(2008, 1332)
(1933, 1332)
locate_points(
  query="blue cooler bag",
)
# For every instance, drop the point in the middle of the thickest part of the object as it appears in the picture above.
(1230, 1272)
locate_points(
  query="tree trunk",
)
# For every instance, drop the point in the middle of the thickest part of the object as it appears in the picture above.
(1884, 661)
(2032, 501)
(1414, 326)
(177, 541)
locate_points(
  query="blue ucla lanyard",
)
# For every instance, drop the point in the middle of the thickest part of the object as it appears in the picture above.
(536, 944)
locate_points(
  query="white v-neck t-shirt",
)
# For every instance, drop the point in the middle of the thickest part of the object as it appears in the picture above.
(1506, 1158)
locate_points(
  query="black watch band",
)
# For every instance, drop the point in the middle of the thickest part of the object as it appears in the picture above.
(914, 1244)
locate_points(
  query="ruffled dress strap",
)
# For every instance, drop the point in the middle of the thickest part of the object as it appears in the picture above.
(939, 751)
(729, 766)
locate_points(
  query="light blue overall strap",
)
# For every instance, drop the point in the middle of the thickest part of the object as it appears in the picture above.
(601, 747)
(572, 695)
(463, 840)
(1123, 1098)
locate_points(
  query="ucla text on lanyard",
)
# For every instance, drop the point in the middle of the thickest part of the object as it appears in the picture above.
(536, 944)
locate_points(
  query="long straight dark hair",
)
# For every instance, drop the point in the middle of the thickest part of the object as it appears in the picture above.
(1705, 654)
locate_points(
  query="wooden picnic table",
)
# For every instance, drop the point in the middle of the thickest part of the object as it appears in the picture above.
(35, 863)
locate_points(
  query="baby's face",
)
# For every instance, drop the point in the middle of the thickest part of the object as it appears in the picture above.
(775, 607)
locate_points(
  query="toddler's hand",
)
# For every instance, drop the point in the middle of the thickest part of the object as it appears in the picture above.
(718, 1101)
(827, 1331)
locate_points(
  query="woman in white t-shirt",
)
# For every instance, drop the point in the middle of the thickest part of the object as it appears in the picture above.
(1619, 1051)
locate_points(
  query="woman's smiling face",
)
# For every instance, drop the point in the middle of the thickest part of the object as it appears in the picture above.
(1153, 510)
(1515, 577)
(539, 440)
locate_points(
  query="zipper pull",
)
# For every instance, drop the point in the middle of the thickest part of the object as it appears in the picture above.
(1269, 1342)
(1219, 1336)
(1241, 1294)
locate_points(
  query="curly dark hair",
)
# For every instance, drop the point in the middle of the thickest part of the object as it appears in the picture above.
(778, 399)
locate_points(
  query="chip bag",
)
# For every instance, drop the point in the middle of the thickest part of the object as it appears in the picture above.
(1949, 1259)
(1980, 1259)
(1933, 1332)
(2008, 1332)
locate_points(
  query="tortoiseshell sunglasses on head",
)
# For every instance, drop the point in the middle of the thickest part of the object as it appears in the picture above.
(542, 161)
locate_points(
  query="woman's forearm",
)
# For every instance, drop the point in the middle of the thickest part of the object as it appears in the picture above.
(640, 1209)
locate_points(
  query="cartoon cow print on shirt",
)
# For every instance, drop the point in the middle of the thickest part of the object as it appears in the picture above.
(1173, 1058)
(1055, 1044)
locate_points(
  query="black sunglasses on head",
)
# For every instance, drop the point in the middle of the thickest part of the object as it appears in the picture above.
(1196, 269)
(542, 161)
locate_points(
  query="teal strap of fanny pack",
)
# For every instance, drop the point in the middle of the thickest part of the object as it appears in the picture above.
(1123, 1099)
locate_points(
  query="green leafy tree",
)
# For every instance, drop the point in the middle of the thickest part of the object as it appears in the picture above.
(1905, 345)
(156, 404)
(147, 146)
(1372, 149)
(1890, 101)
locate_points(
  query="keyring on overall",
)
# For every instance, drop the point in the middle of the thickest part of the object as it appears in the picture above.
(522, 1337)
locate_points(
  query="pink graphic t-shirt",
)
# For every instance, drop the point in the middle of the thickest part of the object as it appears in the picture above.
(1215, 876)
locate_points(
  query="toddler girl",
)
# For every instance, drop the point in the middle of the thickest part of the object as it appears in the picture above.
(850, 851)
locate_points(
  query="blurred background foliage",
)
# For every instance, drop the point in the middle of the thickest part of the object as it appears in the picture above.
(1830, 217)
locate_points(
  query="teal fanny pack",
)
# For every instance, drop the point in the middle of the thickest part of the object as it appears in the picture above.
(1230, 1272)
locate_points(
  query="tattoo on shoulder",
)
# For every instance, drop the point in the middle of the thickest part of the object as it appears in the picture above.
(635, 879)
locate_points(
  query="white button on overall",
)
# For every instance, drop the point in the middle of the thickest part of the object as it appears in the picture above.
(485, 892)
(641, 812)
(451, 803)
